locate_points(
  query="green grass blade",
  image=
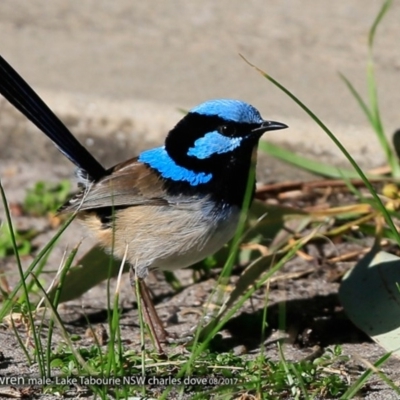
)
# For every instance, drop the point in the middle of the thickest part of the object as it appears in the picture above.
(377, 121)
(358, 98)
(36, 338)
(362, 380)
(372, 112)
(39, 270)
(56, 301)
(56, 316)
(373, 95)
(13, 239)
(21, 343)
(315, 167)
(379, 203)
(378, 19)
(10, 300)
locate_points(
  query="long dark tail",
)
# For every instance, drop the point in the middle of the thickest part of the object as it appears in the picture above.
(22, 97)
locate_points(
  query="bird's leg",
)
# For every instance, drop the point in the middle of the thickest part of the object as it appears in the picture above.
(152, 312)
(159, 334)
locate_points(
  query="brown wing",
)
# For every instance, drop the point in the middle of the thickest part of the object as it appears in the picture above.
(129, 183)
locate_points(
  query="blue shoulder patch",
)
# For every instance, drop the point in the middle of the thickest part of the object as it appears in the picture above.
(213, 143)
(160, 160)
(230, 110)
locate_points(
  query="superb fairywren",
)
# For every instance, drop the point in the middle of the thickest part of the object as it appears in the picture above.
(172, 205)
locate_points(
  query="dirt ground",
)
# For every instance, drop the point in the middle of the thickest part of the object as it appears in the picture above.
(315, 318)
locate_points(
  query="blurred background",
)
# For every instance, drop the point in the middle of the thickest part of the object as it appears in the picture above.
(142, 61)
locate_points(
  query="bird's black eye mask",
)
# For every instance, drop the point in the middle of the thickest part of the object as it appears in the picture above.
(200, 136)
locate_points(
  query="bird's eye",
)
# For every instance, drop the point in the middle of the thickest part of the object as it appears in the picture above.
(227, 130)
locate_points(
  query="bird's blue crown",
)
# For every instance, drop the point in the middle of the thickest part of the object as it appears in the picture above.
(229, 110)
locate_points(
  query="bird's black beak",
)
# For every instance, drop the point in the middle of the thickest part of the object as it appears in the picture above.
(269, 126)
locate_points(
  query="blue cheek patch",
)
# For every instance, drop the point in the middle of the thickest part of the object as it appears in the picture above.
(159, 159)
(213, 143)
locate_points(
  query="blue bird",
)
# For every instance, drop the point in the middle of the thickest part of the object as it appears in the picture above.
(172, 205)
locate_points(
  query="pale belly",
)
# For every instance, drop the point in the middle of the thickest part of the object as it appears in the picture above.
(167, 238)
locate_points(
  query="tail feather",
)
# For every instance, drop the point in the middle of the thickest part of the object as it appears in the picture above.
(22, 97)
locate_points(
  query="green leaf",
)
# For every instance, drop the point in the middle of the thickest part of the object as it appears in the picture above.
(371, 299)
